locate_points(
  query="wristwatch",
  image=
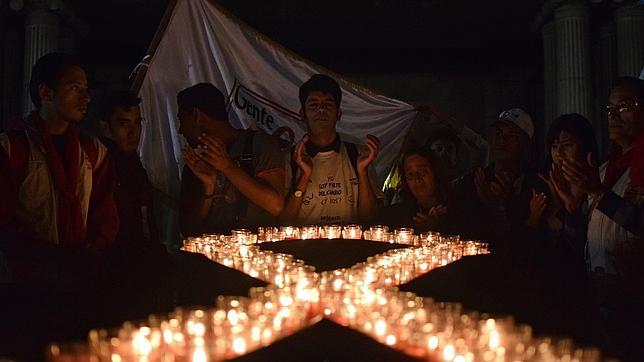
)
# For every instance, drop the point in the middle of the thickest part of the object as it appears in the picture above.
(298, 193)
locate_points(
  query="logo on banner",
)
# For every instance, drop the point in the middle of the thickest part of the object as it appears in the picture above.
(264, 113)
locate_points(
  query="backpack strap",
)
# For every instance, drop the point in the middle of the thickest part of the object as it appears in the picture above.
(294, 168)
(352, 151)
(246, 158)
(246, 164)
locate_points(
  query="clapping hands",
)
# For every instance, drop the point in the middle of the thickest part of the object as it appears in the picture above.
(427, 220)
(366, 158)
(497, 192)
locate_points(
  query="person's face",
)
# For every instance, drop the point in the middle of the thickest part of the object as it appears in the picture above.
(509, 143)
(625, 118)
(188, 125)
(70, 96)
(446, 150)
(419, 177)
(321, 112)
(125, 128)
(566, 147)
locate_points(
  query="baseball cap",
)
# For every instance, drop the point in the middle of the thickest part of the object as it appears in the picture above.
(519, 118)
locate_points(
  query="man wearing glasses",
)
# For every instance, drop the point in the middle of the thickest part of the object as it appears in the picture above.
(615, 233)
(615, 215)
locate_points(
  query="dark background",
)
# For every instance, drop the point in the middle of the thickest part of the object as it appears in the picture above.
(346, 36)
(394, 36)
(470, 59)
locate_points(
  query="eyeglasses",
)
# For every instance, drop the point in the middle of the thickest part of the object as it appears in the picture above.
(621, 107)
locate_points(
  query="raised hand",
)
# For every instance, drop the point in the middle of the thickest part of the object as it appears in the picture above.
(428, 220)
(538, 205)
(482, 187)
(555, 203)
(563, 192)
(302, 158)
(502, 187)
(202, 170)
(497, 192)
(214, 153)
(583, 175)
(551, 184)
(367, 157)
(438, 210)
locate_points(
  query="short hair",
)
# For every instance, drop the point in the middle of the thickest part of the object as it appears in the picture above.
(48, 70)
(631, 83)
(321, 83)
(441, 178)
(118, 99)
(578, 126)
(205, 97)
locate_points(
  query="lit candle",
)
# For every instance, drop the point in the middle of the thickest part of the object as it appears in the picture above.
(332, 231)
(241, 236)
(378, 233)
(290, 232)
(362, 297)
(404, 235)
(352, 232)
(309, 232)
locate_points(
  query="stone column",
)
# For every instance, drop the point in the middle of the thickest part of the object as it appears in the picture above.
(11, 79)
(41, 37)
(574, 87)
(549, 73)
(629, 20)
(607, 56)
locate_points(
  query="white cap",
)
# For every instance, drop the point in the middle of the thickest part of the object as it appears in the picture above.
(519, 118)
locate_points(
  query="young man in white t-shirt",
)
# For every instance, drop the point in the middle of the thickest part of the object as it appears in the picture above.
(333, 180)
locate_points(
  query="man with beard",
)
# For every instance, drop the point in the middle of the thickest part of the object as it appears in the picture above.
(56, 183)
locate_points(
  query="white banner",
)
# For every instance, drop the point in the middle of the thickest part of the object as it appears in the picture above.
(202, 43)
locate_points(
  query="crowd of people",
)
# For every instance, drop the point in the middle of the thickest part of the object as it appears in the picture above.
(75, 207)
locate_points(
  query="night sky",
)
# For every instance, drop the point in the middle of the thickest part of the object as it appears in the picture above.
(389, 36)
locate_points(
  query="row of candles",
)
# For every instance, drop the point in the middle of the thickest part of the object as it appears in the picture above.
(374, 233)
(363, 297)
(350, 232)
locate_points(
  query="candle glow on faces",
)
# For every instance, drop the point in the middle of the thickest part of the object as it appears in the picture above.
(363, 297)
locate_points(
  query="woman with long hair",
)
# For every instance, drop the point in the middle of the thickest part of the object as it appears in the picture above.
(552, 245)
(570, 138)
(425, 190)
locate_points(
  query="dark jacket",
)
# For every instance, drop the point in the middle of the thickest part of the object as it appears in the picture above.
(133, 196)
(496, 224)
